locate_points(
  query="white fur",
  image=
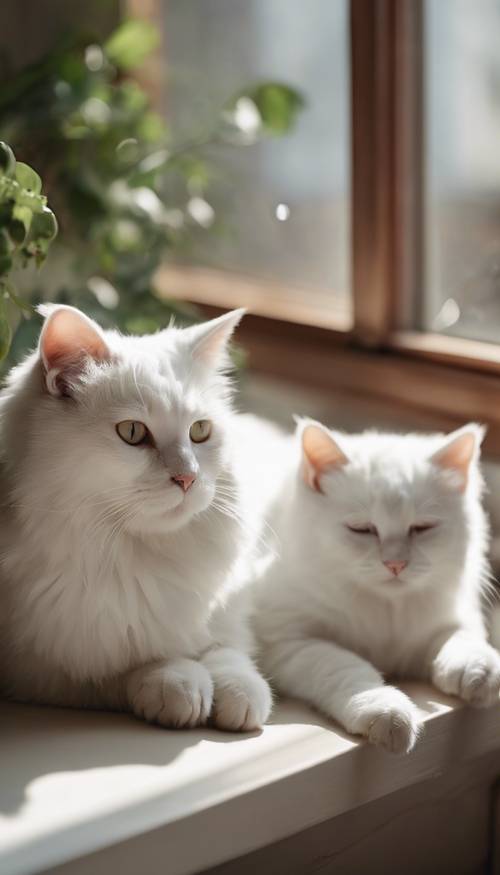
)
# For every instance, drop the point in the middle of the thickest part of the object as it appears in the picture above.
(112, 580)
(333, 623)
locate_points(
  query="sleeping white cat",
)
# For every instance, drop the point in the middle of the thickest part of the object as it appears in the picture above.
(382, 570)
(119, 526)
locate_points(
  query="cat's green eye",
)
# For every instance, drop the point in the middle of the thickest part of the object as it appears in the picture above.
(200, 431)
(132, 432)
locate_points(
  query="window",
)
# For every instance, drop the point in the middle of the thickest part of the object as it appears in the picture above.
(379, 275)
(462, 101)
(284, 202)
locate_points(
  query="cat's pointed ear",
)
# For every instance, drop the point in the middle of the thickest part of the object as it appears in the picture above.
(460, 449)
(320, 453)
(208, 341)
(68, 340)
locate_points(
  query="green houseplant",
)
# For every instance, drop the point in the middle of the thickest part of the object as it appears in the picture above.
(27, 228)
(126, 193)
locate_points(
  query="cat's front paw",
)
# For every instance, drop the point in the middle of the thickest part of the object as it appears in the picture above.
(473, 674)
(176, 694)
(386, 717)
(241, 703)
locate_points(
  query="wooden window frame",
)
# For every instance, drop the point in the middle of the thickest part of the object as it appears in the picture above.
(373, 350)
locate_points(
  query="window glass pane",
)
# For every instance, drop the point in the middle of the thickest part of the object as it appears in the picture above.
(283, 205)
(462, 105)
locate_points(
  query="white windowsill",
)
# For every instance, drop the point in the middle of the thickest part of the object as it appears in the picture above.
(72, 783)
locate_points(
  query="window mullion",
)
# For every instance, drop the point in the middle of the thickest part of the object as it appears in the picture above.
(386, 162)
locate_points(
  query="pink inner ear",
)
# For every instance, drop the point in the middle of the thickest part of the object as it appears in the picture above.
(457, 456)
(320, 453)
(68, 336)
(209, 340)
(210, 348)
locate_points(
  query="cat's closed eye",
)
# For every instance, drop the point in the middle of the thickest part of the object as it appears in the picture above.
(133, 432)
(200, 431)
(419, 528)
(368, 529)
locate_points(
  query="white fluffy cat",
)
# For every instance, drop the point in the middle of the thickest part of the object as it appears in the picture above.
(119, 527)
(382, 568)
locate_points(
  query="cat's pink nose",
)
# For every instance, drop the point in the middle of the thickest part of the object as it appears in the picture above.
(395, 567)
(184, 480)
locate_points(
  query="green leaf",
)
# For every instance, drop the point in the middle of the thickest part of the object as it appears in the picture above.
(131, 43)
(7, 159)
(277, 106)
(28, 178)
(17, 232)
(34, 202)
(5, 263)
(44, 225)
(20, 223)
(5, 245)
(131, 99)
(41, 248)
(151, 128)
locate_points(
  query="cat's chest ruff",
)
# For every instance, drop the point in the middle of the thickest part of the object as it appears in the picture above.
(93, 612)
(96, 625)
(391, 634)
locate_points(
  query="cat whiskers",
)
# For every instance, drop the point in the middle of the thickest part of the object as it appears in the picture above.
(137, 386)
(94, 499)
(226, 489)
(489, 587)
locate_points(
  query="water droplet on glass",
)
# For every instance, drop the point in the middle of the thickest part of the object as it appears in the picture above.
(95, 111)
(201, 211)
(154, 161)
(247, 116)
(94, 58)
(282, 212)
(105, 293)
(447, 316)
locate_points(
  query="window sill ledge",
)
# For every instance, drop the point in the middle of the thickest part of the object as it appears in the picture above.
(78, 783)
(209, 287)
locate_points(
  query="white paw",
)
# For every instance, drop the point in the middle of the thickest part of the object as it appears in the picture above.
(472, 675)
(241, 703)
(386, 717)
(176, 694)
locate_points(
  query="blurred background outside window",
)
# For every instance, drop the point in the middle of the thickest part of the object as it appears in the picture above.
(462, 163)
